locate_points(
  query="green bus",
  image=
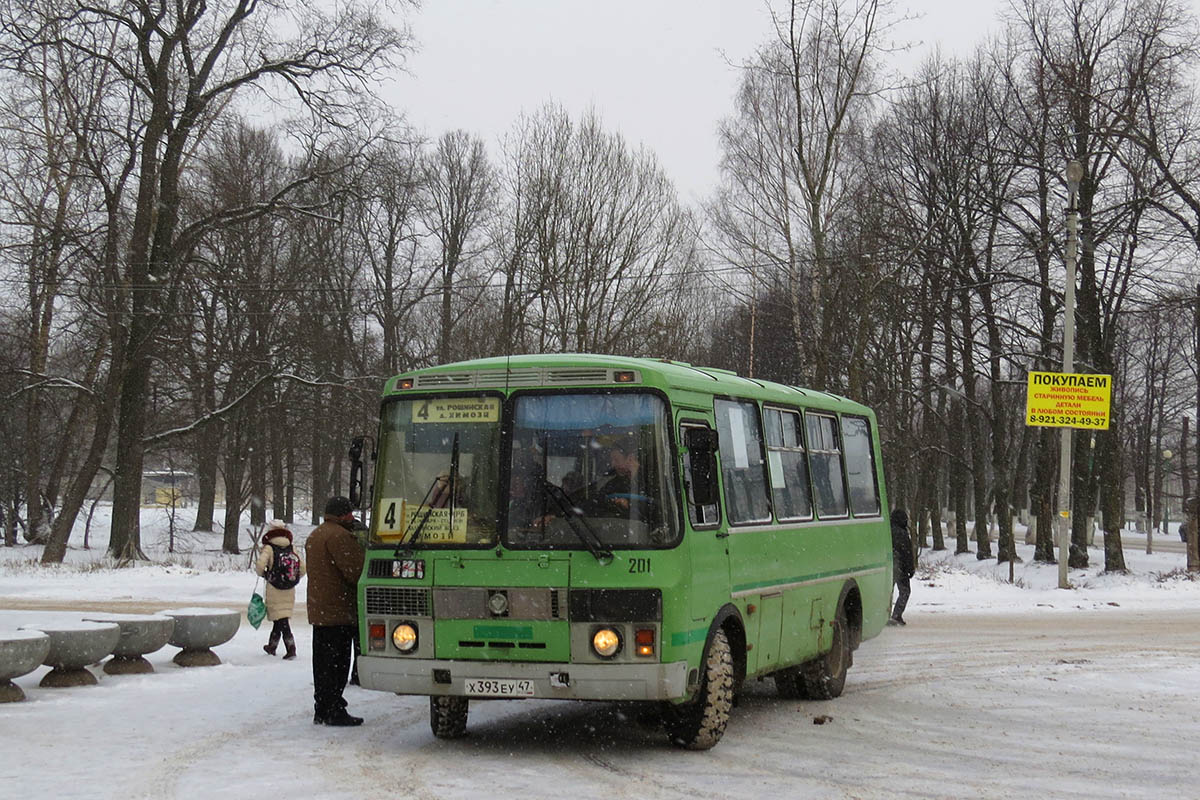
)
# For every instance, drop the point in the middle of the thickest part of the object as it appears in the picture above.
(604, 528)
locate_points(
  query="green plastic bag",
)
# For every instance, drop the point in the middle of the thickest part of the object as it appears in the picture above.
(256, 611)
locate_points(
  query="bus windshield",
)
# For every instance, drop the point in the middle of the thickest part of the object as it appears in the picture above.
(439, 466)
(591, 467)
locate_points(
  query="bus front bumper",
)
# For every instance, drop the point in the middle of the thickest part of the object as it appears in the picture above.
(617, 681)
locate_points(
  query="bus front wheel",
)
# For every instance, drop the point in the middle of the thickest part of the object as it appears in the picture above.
(448, 716)
(699, 723)
(824, 677)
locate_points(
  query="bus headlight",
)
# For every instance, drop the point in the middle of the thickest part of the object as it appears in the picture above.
(405, 637)
(606, 642)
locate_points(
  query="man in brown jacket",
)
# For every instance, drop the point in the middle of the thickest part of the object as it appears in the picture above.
(335, 560)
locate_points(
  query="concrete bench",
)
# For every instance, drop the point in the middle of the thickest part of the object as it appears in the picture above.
(74, 645)
(198, 630)
(140, 634)
(21, 652)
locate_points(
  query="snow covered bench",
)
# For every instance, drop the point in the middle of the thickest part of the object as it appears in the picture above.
(74, 645)
(198, 630)
(140, 634)
(21, 652)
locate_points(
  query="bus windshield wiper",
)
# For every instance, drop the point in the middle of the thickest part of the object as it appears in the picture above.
(407, 541)
(575, 521)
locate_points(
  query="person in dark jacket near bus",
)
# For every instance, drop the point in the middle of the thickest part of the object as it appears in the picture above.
(903, 567)
(335, 560)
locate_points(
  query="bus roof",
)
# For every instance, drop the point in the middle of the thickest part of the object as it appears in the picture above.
(590, 369)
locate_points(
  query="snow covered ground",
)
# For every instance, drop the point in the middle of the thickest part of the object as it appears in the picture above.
(993, 690)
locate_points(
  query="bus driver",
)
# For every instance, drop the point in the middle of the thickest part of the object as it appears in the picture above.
(619, 492)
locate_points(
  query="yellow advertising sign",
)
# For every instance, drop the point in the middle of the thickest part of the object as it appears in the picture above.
(397, 514)
(457, 409)
(1068, 400)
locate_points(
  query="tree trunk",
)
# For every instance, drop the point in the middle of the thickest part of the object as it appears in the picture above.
(1193, 507)
(935, 524)
(1185, 478)
(962, 541)
(31, 458)
(1044, 478)
(234, 469)
(289, 510)
(958, 481)
(1082, 501)
(258, 475)
(71, 433)
(207, 449)
(983, 545)
(276, 417)
(81, 483)
(9, 510)
(124, 542)
(317, 462)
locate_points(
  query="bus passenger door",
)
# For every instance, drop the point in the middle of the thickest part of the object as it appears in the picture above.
(705, 540)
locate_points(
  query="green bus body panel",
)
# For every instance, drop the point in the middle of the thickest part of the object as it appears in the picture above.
(484, 568)
(502, 640)
(794, 578)
(669, 571)
(785, 581)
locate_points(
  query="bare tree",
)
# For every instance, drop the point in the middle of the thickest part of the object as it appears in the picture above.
(181, 64)
(384, 215)
(606, 233)
(460, 186)
(48, 98)
(1099, 56)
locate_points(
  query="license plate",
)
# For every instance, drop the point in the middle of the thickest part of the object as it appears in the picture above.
(494, 687)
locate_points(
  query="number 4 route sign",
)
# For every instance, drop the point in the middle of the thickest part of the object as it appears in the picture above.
(1068, 400)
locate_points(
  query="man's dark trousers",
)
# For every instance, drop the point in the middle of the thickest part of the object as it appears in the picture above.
(332, 652)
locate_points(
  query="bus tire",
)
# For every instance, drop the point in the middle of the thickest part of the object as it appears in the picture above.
(700, 723)
(448, 716)
(825, 677)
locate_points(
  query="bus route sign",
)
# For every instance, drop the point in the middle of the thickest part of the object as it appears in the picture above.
(1068, 400)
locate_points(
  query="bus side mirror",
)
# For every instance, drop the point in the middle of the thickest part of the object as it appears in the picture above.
(356, 471)
(701, 444)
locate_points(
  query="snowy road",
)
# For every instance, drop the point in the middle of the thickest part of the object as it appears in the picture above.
(1062, 704)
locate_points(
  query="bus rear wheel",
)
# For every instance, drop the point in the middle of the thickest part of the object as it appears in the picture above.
(824, 677)
(448, 716)
(700, 723)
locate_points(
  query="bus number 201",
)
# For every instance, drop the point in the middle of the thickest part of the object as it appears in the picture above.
(637, 565)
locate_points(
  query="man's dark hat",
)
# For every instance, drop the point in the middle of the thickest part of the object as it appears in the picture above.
(338, 506)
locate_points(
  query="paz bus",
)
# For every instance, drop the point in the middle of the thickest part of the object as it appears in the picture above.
(603, 528)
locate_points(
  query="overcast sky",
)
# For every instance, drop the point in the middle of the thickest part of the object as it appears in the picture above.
(657, 71)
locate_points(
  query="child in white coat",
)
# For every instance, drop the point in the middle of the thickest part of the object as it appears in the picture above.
(281, 603)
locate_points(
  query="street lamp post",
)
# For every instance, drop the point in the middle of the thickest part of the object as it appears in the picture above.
(1074, 176)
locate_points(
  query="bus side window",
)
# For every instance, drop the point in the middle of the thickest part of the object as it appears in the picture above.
(700, 474)
(825, 464)
(860, 466)
(788, 463)
(743, 467)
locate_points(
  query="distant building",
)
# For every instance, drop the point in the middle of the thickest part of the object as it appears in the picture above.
(168, 488)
